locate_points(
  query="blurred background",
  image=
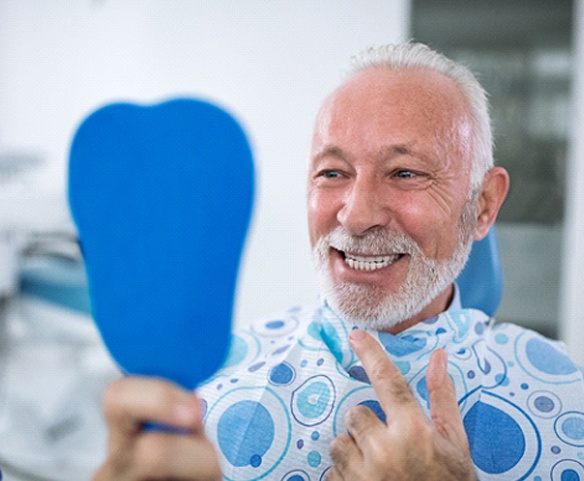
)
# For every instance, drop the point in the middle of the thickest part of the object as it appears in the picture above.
(270, 63)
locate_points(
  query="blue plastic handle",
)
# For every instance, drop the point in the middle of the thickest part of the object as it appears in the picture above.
(162, 197)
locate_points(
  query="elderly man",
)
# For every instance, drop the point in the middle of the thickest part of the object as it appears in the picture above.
(388, 378)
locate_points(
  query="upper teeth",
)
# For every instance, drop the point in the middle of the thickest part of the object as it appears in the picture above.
(369, 263)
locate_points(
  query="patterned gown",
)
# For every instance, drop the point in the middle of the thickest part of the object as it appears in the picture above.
(280, 399)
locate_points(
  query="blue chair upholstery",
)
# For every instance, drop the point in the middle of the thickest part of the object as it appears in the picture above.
(60, 281)
(481, 281)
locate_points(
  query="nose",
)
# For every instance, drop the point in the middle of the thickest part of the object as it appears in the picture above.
(365, 207)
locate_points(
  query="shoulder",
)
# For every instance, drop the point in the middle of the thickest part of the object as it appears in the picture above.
(280, 324)
(536, 398)
(255, 344)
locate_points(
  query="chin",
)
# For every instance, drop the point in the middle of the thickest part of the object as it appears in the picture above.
(370, 306)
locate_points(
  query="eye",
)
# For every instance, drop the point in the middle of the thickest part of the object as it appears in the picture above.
(408, 179)
(329, 174)
(405, 174)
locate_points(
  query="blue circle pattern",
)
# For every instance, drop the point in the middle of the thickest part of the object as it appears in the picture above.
(567, 470)
(237, 351)
(252, 427)
(312, 402)
(295, 377)
(282, 374)
(296, 475)
(569, 427)
(544, 404)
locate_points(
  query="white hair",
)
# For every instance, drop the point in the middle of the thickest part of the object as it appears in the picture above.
(416, 55)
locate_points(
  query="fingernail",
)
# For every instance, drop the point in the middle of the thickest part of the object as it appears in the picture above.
(443, 366)
(445, 362)
(357, 335)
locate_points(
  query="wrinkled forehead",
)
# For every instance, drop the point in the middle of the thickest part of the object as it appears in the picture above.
(414, 102)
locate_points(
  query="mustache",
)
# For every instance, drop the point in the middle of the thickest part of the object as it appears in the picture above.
(376, 242)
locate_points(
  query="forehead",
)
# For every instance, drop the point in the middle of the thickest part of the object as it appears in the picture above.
(384, 106)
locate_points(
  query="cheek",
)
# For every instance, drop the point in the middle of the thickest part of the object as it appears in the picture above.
(322, 215)
(435, 232)
(441, 242)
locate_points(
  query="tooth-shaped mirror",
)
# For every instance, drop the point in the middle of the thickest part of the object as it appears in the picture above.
(162, 197)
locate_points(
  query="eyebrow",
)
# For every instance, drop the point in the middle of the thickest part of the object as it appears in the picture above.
(331, 150)
(389, 151)
(402, 149)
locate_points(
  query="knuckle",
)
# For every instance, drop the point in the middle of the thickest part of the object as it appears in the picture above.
(340, 443)
(332, 474)
(403, 395)
(414, 430)
(382, 373)
(112, 397)
(163, 396)
(356, 416)
(420, 429)
(113, 390)
(151, 457)
(352, 417)
(379, 371)
(339, 447)
(379, 452)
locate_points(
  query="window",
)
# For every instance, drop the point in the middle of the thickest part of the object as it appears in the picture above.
(521, 52)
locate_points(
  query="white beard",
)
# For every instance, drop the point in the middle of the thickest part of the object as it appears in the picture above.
(368, 305)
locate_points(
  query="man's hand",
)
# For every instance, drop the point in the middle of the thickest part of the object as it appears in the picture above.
(410, 446)
(137, 454)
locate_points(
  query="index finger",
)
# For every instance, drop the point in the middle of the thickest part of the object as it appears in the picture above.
(387, 380)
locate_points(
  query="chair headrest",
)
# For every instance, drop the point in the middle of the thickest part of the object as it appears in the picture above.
(481, 281)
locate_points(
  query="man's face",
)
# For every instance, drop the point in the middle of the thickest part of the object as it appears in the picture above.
(388, 210)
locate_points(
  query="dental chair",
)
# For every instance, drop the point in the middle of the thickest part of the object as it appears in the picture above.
(481, 281)
(54, 368)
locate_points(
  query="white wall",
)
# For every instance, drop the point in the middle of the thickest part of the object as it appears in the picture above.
(269, 62)
(572, 286)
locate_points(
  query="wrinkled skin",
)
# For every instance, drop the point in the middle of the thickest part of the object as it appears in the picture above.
(409, 446)
(392, 150)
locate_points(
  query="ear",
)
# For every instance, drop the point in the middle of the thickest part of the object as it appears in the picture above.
(490, 199)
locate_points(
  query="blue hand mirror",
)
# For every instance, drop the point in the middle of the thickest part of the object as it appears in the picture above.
(162, 197)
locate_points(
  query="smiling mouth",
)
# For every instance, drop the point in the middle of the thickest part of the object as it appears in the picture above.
(369, 262)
